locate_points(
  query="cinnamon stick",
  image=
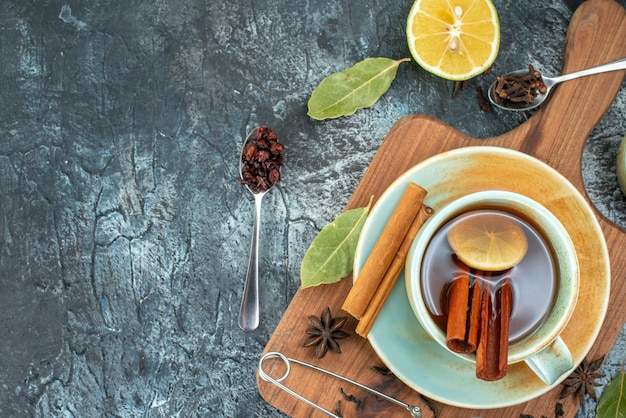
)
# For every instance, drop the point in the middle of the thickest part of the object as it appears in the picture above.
(493, 347)
(384, 251)
(391, 276)
(463, 313)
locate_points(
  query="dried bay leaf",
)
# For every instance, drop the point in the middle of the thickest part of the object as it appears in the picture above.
(343, 93)
(613, 400)
(330, 257)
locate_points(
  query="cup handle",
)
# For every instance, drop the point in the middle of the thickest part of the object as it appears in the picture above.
(552, 362)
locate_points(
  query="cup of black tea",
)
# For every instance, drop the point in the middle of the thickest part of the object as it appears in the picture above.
(516, 267)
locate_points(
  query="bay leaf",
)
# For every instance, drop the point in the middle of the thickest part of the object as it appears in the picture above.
(613, 400)
(343, 93)
(330, 257)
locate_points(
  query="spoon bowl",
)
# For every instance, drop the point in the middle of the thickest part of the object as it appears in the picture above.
(549, 83)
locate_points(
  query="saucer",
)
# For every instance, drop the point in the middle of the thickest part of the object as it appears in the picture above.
(398, 338)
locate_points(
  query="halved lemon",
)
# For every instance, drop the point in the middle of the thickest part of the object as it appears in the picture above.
(454, 39)
(489, 241)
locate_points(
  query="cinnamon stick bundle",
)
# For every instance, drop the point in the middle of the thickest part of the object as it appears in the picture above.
(478, 321)
(493, 347)
(384, 251)
(463, 313)
(391, 276)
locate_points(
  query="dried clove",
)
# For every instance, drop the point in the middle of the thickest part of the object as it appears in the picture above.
(338, 409)
(512, 89)
(351, 398)
(383, 371)
(482, 100)
(558, 410)
(458, 86)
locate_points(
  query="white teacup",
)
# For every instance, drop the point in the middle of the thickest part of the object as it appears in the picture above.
(543, 350)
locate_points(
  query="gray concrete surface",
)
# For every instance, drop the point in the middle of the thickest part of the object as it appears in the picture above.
(124, 234)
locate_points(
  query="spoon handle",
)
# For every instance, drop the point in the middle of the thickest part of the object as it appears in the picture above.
(249, 313)
(619, 64)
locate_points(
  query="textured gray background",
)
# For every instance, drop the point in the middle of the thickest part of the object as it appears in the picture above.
(124, 234)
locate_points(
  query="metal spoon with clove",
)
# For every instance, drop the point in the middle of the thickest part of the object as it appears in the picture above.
(259, 168)
(538, 97)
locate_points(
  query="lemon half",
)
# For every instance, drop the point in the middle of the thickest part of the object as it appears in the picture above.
(454, 39)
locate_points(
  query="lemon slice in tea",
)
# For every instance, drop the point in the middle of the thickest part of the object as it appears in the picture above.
(488, 240)
(454, 39)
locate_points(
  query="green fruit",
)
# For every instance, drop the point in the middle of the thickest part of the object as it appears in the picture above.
(621, 165)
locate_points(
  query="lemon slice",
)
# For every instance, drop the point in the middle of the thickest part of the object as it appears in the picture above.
(454, 39)
(489, 241)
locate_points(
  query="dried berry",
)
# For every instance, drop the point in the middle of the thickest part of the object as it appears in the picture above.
(261, 160)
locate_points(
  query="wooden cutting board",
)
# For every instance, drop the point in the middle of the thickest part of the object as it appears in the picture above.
(555, 134)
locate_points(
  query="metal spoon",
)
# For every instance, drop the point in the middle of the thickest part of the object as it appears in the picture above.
(249, 312)
(262, 175)
(550, 82)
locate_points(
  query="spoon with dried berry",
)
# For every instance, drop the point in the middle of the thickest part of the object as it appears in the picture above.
(527, 89)
(259, 170)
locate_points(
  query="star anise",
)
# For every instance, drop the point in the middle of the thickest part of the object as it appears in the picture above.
(324, 332)
(582, 381)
